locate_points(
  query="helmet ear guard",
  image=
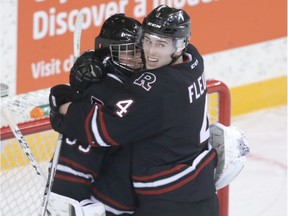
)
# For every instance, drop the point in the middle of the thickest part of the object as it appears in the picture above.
(180, 44)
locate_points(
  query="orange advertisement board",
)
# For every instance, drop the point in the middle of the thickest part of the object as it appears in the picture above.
(45, 30)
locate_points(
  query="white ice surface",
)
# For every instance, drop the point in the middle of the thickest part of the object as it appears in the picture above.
(261, 187)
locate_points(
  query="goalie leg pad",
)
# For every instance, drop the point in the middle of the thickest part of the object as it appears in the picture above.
(59, 205)
(92, 209)
(232, 148)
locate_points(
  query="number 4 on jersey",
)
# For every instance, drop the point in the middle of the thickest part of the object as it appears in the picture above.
(123, 107)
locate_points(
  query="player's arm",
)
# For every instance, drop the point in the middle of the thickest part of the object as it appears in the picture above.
(121, 121)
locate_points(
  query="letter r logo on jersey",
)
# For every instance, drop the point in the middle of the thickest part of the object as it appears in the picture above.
(145, 80)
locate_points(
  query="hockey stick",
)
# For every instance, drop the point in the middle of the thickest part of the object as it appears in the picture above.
(77, 35)
(52, 172)
(23, 143)
(76, 48)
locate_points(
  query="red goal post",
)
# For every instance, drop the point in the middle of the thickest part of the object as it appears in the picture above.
(224, 117)
(17, 198)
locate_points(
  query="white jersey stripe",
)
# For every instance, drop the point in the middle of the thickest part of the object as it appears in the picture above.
(113, 76)
(69, 170)
(176, 177)
(95, 129)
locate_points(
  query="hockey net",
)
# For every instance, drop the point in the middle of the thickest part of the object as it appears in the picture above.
(21, 188)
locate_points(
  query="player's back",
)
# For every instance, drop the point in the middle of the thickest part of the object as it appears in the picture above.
(170, 158)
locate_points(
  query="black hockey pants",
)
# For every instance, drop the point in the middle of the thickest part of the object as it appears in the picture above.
(207, 207)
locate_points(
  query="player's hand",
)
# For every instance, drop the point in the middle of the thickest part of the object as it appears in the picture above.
(87, 69)
(59, 95)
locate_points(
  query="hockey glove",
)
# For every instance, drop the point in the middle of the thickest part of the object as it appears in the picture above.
(87, 69)
(59, 95)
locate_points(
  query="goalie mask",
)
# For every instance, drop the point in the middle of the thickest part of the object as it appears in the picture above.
(119, 34)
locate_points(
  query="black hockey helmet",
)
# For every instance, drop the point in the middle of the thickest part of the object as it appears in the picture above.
(117, 29)
(120, 34)
(165, 21)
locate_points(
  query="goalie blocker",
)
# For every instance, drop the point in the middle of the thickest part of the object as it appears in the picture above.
(232, 147)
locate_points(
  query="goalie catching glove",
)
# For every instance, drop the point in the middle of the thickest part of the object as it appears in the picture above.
(87, 69)
(59, 95)
(232, 148)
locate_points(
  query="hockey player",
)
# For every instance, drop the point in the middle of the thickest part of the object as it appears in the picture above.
(88, 175)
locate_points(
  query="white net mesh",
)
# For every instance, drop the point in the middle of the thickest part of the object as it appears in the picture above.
(21, 105)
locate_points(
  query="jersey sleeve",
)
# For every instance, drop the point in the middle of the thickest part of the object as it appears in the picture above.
(129, 117)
